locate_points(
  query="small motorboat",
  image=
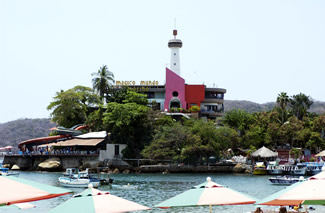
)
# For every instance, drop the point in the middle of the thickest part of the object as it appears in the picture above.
(259, 169)
(78, 182)
(6, 172)
(285, 180)
(75, 178)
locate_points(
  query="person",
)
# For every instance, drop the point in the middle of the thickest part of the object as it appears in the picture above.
(258, 210)
(283, 209)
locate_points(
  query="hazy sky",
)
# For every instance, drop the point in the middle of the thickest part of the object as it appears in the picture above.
(255, 49)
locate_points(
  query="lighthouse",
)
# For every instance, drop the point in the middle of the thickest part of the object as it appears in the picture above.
(175, 45)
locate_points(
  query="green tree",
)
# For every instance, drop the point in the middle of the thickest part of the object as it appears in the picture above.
(103, 81)
(300, 104)
(289, 130)
(169, 142)
(125, 95)
(95, 119)
(282, 100)
(282, 104)
(71, 107)
(128, 124)
(239, 119)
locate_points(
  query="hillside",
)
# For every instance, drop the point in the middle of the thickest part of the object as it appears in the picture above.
(318, 107)
(13, 132)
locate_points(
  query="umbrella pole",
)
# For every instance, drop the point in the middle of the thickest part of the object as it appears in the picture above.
(210, 207)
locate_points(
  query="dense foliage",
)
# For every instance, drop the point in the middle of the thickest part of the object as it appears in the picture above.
(151, 134)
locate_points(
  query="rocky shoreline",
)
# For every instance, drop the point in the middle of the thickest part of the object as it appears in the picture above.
(60, 163)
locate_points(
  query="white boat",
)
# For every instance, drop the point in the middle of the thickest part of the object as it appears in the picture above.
(78, 182)
(6, 172)
(74, 178)
(274, 170)
(285, 180)
(300, 170)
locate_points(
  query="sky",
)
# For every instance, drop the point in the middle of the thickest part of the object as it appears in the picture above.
(254, 49)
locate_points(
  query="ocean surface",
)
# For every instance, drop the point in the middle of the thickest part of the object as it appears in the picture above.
(151, 189)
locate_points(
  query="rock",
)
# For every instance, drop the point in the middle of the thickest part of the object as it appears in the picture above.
(239, 168)
(15, 167)
(126, 171)
(165, 172)
(116, 171)
(248, 171)
(50, 164)
(92, 164)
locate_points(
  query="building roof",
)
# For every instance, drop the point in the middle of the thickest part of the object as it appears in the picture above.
(36, 141)
(264, 153)
(78, 142)
(90, 135)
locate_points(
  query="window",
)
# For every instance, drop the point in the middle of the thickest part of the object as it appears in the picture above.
(150, 95)
(117, 150)
(174, 63)
(175, 93)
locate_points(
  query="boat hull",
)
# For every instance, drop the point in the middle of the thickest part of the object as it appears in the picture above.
(283, 180)
(78, 182)
(259, 172)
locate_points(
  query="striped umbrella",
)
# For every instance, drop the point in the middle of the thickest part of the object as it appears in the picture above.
(207, 194)
(95, 201)
(308, 192)
(18, 190)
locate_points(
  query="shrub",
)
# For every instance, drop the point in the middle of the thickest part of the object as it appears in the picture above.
(195, 109)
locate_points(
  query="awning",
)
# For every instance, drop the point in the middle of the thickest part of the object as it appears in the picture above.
(79, 142)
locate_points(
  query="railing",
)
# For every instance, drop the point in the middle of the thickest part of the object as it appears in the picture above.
(147, 161)
(56, 153)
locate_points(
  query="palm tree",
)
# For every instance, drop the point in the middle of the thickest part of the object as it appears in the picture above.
(283, 100)
(103, 81)
(300, 104)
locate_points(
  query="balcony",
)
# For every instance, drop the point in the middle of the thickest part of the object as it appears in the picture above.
(212, 114)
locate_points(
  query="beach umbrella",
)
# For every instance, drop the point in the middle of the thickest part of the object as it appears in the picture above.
(207, 194)
(308, 192)
(264, 152)
(19, 190)
(321, 154)
(19, 206)
(95, 201)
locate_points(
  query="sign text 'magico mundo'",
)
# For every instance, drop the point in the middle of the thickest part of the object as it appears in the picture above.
(133, 83)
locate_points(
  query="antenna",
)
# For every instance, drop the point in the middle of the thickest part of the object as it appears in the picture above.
(175, 31)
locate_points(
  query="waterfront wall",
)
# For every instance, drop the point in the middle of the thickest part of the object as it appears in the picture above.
(185, 169)
(92, 161)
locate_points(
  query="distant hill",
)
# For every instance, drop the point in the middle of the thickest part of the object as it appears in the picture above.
(14, 132)
(318, 106)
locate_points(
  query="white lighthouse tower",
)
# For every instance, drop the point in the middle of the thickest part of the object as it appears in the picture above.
(175, 45)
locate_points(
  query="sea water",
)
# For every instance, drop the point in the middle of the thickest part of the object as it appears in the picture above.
(151, 189)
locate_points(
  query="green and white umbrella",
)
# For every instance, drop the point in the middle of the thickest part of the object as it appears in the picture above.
(308, 192)
(18, 190)
(95, 201)
(207, 194)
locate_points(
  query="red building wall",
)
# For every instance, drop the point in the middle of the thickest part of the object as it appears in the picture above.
(194, 94)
